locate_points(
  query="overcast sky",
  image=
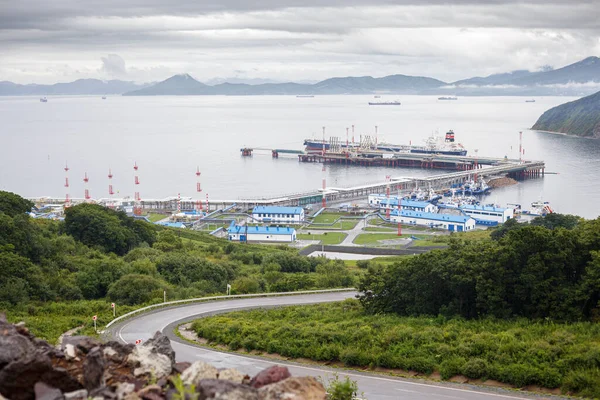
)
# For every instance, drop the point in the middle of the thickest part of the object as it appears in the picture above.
(46, 41)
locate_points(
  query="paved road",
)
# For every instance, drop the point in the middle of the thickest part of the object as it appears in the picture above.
(375, 387)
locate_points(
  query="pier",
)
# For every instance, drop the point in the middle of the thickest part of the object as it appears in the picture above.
(248, 151)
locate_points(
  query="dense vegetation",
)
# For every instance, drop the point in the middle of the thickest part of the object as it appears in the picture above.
(548, 269)
(97, 256)
(580, 117)
(518, 352)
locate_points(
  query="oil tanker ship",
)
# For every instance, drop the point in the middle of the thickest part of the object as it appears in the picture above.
(433, 145)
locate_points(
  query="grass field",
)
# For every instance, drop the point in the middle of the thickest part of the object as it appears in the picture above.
(325, 238)
(374, 238)
(516, 352)
(154, 217)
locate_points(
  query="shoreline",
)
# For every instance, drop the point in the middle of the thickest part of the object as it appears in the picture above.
(564, 134)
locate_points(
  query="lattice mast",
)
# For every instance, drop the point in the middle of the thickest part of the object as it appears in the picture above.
(86, 192)
(198, 190)
(67, 197)
(137, 209)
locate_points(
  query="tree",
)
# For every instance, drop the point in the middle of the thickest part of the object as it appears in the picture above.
(12, 204)
(112, 231)
(136, 289)
(555, 220)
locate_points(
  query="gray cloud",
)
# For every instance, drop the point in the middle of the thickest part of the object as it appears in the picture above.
(287, 40)
(114, 66)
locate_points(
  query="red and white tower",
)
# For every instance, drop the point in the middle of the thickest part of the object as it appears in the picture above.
(520, 147)
(178, 203)
(67, 197)
(86, 193)
(352, 134)
(347, 144)
(324, 149)
(110, 186)
(207, 202)
(199, 190)
(137, 208)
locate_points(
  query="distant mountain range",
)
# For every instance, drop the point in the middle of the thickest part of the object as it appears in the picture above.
(580, 118)
(578, 79)
(78, 87)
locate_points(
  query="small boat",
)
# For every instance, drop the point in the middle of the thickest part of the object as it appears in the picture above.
(103, 97)
(539, 209)
(305, 95)
(377, 97)
(385, 103)
(530, 101)
(447, 98)
(43, 100)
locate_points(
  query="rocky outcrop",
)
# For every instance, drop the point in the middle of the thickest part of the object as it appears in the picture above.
(84, 368)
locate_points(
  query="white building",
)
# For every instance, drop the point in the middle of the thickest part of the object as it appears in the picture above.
(486, 215)
(381, 201)
(288, 215)
(239, 233)
(453, 223)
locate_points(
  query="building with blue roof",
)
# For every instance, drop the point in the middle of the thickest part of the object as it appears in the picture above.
(290, 215)
(488, 215)
(244, 233)
(381, 201)
(458, 223)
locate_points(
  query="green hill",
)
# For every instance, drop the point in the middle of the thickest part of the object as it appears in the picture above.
(579, 118)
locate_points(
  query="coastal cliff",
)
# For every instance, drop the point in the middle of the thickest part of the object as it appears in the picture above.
(578, 118)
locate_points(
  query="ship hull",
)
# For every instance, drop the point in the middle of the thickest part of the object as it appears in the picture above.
(317, 147)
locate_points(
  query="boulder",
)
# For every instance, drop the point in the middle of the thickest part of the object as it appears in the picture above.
(303, 388)
(270, 375)
(46, 392)
(233, 375)
(93, 369)
(82, 343)
(197, 371)
(155, 357)
(77, 395)
(219, 389)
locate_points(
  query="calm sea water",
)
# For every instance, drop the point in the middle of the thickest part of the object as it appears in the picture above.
(169, 137)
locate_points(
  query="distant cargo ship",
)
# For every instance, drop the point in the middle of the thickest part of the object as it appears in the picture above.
(384, 103)
(530, 101)
(448, 98)
(305, 95)
(43, 100)
(433, 145)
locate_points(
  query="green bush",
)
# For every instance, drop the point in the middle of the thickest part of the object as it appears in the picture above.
(136, 289)
(451, 367)
(475, 368)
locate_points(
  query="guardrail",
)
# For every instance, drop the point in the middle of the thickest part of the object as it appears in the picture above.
(235, 296)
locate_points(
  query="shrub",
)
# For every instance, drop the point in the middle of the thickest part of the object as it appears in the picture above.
(451, 367)
(337, 389)
(135, 289)
(585, 383)
(475, 368)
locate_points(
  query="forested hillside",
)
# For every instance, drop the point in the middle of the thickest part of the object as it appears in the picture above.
(549, 269)
(76, 267)
(580, 118)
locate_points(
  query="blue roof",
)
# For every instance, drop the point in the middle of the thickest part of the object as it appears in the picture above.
(433, 216)
(271, 230)
(171, 224)
(483, 208)
(277, 210)
(406, 203)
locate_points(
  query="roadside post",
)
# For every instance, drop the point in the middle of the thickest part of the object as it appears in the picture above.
(95, 317)
(114, 308)
(228, 289)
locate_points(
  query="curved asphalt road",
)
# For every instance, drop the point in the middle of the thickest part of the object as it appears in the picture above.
(375, 387)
